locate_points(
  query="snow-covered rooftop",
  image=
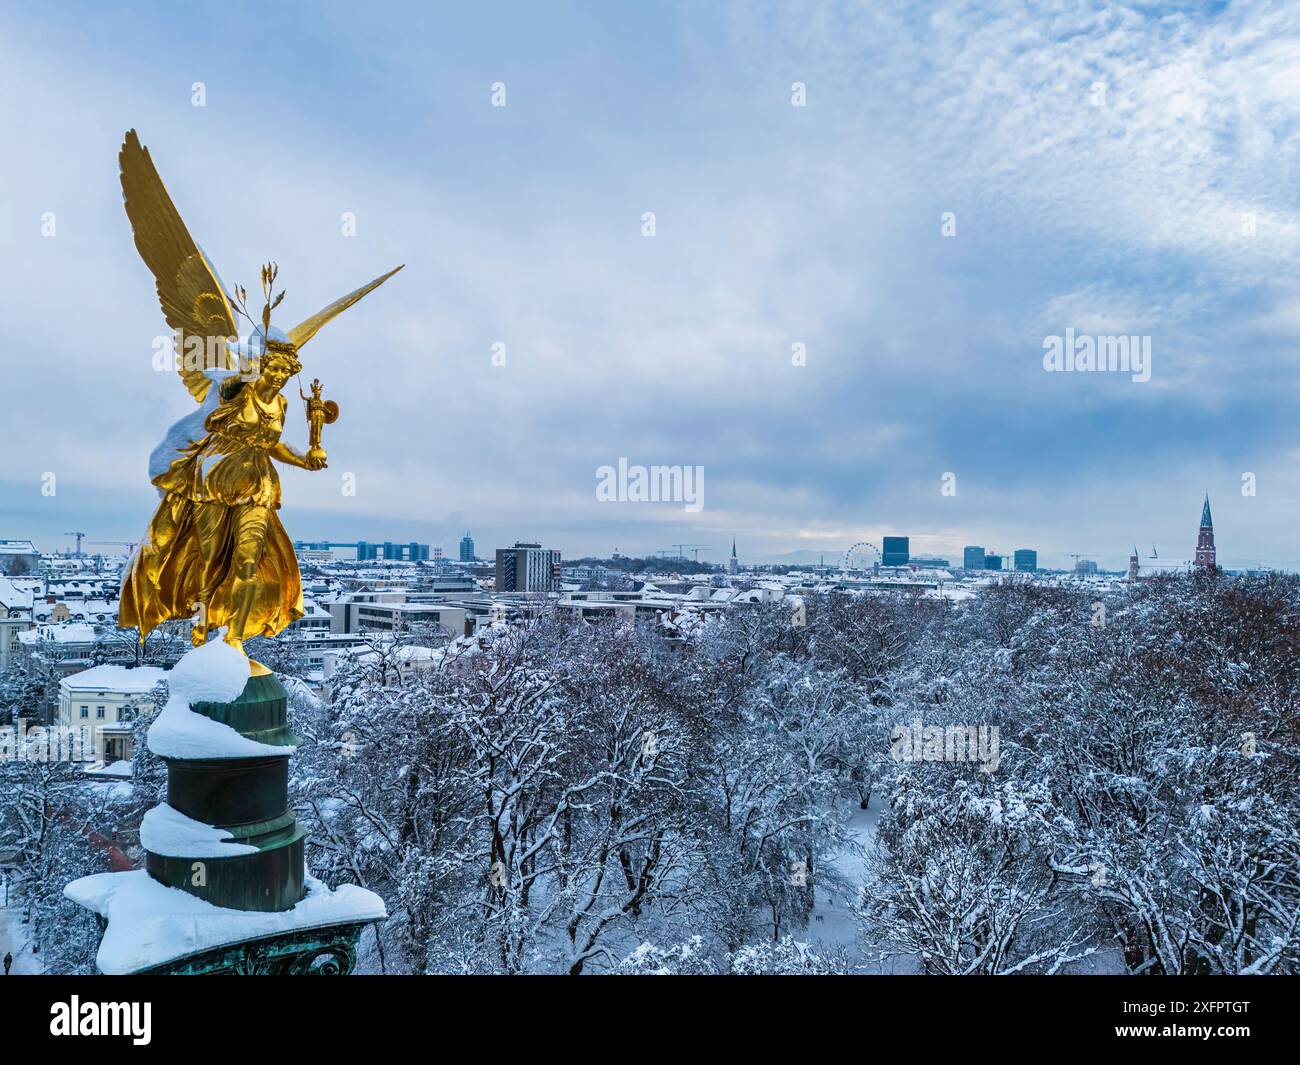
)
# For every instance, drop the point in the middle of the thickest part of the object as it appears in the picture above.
(73, 632)
(131, 681)
(12, 597)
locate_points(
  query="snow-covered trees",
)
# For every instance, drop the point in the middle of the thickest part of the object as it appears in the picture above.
(562, 793)
(1118, 785)
(50, 823)
(1147, 795)
(545, 799)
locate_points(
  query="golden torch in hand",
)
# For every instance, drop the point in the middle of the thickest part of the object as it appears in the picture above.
(319, 412)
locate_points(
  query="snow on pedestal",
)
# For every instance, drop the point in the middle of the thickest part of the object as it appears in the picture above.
(150, 924)
(213, 673)
(165, 830)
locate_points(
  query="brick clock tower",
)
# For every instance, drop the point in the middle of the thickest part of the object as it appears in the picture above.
(1205, 538)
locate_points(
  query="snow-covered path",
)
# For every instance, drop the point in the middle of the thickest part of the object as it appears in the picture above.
(13, 940)
(833, 923)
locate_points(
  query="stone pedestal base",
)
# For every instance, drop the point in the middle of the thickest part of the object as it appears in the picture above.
(225, 887)
(150, 928)
(329, 951)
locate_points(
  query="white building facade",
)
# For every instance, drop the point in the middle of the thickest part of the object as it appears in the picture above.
(103, 702)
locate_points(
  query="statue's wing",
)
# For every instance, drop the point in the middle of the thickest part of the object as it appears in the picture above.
(304, 331)
(192, 298)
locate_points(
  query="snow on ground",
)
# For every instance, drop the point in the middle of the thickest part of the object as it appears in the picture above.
(832, 924)
(13, 940)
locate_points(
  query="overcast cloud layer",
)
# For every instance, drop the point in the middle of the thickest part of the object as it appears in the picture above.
(1162, 203)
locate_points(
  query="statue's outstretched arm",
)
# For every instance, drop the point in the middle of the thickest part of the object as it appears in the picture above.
(282, 452)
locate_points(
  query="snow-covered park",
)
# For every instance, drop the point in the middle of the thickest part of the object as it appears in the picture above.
(897, 784)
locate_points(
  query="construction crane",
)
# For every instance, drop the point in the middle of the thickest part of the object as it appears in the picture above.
(80, 536)
(697, 548)
(1077, 556)
(130, 545)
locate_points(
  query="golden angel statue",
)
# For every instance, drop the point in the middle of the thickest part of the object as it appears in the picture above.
(216, 550)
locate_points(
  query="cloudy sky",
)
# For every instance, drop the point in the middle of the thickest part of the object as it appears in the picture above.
(1112, 169)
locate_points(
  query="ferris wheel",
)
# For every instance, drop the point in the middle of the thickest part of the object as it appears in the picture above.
(861, 556)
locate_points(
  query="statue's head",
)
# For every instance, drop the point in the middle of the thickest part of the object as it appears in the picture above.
(279, 363)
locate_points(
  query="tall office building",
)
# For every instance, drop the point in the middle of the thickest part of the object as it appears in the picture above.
(895, 551)
(1205, 554)
(390, 551)
(1025, 560)
(527, 568)
(467, 548)
(993, 562)
(972, 558)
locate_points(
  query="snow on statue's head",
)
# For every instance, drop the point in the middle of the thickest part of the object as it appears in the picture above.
(260, 346)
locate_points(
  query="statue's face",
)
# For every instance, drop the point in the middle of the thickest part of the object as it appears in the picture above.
(276, 375)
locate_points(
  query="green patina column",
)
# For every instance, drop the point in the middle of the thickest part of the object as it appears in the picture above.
(259, 911)
(249, 799)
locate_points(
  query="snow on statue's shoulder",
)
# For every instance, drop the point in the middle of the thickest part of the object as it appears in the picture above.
(187, 430)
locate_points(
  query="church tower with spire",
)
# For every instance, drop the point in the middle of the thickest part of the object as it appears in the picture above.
(1205, 538)
(733, 566)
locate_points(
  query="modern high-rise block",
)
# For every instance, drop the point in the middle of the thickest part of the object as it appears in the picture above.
(895, 551)
(972, 558)
(527, 568)
(368, 551)
(1025, 560)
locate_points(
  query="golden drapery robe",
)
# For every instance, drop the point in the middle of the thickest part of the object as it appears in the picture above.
(218, 519)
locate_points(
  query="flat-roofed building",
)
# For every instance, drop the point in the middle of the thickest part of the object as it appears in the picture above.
(895, 551)
(527, 568)
(381, 613)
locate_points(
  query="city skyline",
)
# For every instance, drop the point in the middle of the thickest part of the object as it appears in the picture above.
(1007, 556)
